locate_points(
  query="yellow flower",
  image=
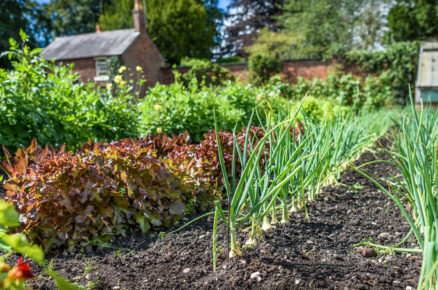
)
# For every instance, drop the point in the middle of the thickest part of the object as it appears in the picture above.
(157, 107)
(138, 68)
(122, 69)
(159, 130)
(109, 86)
(118, 79)
(122, 83)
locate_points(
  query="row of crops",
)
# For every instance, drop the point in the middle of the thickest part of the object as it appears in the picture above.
(416, 157)
(69, 200)
(287, 168)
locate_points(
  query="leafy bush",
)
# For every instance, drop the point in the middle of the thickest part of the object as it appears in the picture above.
(207, 73)
(67, 199)
(231, 59)
(320, 109)
(174, 108)
(398, 60)
(41, 100)
(370, 93)
(264, 66)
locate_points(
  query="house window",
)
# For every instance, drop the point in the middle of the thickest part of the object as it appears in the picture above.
(102, 73)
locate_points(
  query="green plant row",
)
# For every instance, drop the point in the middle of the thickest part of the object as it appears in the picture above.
(292, 171)
(416, 157)
(175, 108)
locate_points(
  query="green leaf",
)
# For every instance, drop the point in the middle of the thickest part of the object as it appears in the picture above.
(8, 215)
(21, 244)
(144, 225)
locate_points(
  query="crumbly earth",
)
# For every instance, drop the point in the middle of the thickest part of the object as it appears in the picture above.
(314, 253)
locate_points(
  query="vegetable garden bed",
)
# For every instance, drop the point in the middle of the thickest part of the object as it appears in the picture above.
(314, 253)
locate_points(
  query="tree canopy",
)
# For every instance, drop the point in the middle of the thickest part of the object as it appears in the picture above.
(246, 19)
(14, 15)
(413, 20)
(179, 28)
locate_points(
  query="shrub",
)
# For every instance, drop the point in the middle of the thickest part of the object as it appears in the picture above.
(320, 109)
(173, 109)
(370, 93)
(264, 66)
(207, 73)
(41, 100)
(67, 199)
(399, 60)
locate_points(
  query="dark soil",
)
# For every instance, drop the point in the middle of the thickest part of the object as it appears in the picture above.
(314, 253)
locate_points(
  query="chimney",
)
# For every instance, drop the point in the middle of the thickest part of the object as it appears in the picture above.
(139, 17)
(98, 28)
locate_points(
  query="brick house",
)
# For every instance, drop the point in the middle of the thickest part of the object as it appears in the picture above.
(89, 52)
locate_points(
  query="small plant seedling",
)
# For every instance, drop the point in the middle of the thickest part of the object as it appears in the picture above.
(123, 252)
(92, 284)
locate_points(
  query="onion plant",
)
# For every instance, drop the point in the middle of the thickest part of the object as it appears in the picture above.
(416, 158)
(251, 195)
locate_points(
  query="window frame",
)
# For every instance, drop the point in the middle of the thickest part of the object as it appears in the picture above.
(101, 75)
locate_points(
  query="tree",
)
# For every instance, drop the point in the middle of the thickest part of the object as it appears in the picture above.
(179, 28)
(247, 18)
(326, 26)
(280, 44)
(14, 15)
(66, 17)
(371, 24)
(413, 20)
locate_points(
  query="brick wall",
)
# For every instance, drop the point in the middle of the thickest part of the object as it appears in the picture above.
(152, 64)
(85, 67)
(292, 69)
(144, 53)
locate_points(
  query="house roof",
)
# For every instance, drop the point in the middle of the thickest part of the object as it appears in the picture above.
(105, 43)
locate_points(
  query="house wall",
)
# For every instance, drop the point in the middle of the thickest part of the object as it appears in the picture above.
(86, 67)
(144, 53)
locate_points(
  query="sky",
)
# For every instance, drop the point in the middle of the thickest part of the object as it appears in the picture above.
(222, 3)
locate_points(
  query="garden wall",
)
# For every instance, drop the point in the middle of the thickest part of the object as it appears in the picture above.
(292, 69)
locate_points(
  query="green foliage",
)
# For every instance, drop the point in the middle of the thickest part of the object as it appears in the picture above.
(231, 59)
(278, 44)
(324, 25)
(354, 93)
(319, 110)
(175, 108)
(14, 15)
(264, 66)
(96, 192)
(41, 100)
(207, 73)
(65, 17)
(411, 20)
(9, 243)
(179, 28)
(398, 60)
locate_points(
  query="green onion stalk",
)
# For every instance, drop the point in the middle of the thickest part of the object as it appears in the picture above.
(416, 157)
